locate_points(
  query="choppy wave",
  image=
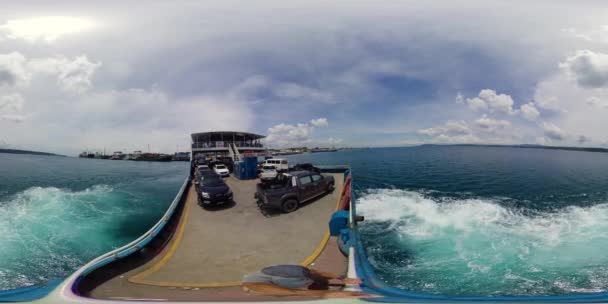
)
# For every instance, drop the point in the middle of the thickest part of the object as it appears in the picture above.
(48, 232)
(456, 246)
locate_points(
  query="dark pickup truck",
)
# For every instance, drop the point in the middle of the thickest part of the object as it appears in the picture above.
(288, 190)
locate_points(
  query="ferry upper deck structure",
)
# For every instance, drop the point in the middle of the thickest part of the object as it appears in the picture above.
(227, 144)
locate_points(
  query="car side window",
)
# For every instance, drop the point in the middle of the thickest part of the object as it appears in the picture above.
(316, 178)
(304, 180)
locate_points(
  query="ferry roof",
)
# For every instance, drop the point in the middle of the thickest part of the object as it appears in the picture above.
(226, 135)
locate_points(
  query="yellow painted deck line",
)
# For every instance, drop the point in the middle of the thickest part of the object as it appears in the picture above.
(139, 277)
(315, 254)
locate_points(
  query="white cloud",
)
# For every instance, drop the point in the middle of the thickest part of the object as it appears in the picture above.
(596, 102)
(573, 107)
(334, 141)
(492, 125)
(588, 68)
(553, 132)
(48, 28)
(489, 99)
(482, 130)
(297, 91)
(288, 135)
(459, 98)
(281, 90)
(456, 139)
(253, 83)
(450, 128)
(451, 132)
(285, 135)
(11, 107)
(594, 34)
(13, 69)
(71, 75)
(529, 111)
(319, 122)
(477, 104)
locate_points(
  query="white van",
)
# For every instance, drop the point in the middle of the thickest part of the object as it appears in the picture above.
(280, 164)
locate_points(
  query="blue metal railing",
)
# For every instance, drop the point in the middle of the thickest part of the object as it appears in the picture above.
(138, 243)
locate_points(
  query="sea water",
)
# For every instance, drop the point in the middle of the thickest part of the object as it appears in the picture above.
(57, 213)
(482, 221)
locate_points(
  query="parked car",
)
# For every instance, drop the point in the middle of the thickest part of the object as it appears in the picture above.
(288, 190)
(280, 164)
(211, 190)
(221, 170)
(268, 172)
(202, 170)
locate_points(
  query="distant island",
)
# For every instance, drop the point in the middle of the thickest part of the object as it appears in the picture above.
(528, 146)
(15, 151)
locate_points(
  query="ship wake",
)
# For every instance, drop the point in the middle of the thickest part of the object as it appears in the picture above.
(456, 246)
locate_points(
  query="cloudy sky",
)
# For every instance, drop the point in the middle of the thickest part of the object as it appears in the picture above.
(122, 75)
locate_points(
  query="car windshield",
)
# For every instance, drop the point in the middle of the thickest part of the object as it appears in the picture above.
(220, 167)
(211, 181)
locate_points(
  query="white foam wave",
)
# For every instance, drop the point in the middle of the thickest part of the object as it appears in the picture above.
(460, 237)
(418, 216)
(48, 232)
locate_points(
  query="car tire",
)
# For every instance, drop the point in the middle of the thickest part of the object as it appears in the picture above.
(289, 205)
(200, 201)
(330, 187)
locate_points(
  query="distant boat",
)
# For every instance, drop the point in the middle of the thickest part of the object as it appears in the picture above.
(317, 150)
(86, 154)
(117, 156)
(181, 156)
(154, 157)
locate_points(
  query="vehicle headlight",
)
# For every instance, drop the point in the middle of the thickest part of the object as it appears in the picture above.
(229, 192)
(205, 194)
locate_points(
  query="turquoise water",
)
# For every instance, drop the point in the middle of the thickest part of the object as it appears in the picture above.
(57, 213)
(482, 221)
(441, 220)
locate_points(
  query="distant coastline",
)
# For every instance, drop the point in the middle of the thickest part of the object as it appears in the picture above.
(16, 151)
(527, 146)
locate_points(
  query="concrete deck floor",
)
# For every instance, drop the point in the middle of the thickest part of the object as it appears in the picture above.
(218, 246)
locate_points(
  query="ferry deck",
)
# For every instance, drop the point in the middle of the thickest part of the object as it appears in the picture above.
(207, 251)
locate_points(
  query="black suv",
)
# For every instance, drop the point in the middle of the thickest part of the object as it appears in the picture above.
(288, 190)
(212, 190)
